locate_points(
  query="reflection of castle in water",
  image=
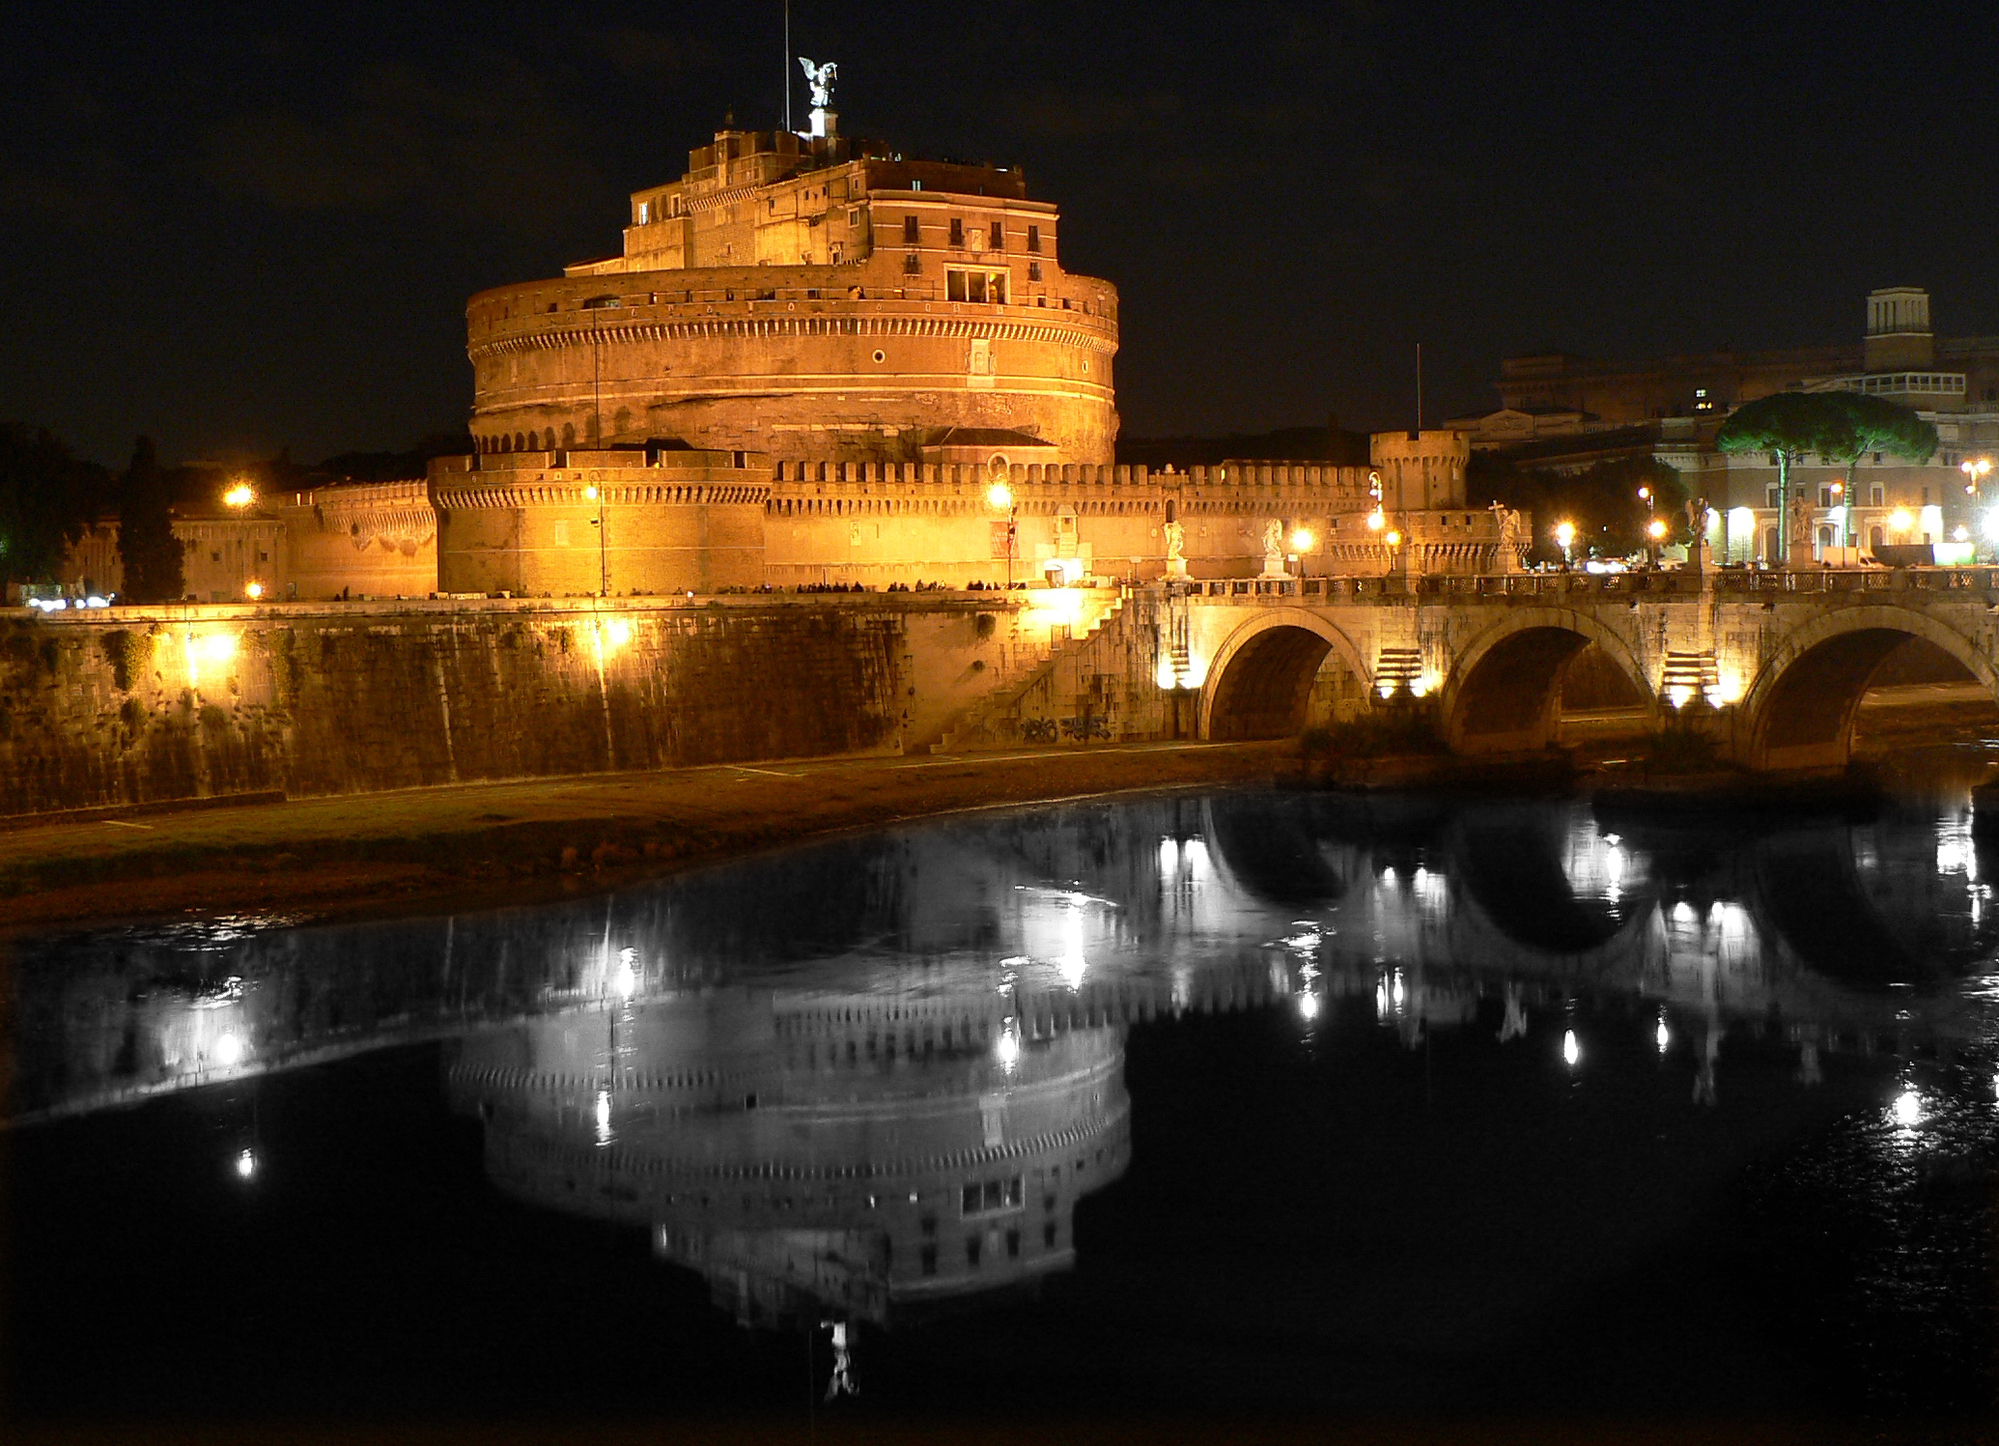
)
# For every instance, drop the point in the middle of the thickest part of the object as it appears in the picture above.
(807, 1151)
(1845, 935)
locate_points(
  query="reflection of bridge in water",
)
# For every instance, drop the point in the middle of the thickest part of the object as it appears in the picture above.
(1856, 935)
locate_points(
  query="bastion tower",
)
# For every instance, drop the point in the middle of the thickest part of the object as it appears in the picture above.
(809, 298)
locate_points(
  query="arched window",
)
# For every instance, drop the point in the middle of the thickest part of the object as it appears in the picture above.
(569, 434)
(548, 442)
(520, 442)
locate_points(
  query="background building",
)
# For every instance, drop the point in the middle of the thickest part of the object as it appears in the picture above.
(1565, 413)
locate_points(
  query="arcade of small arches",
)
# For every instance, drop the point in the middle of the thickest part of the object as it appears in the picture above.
(1773, 684)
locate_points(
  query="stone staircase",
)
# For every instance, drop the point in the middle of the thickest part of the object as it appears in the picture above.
(1022, 708)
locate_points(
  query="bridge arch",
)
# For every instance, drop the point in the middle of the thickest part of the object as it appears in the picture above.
(1798, 713)
(1505, 686)
(1260, 678)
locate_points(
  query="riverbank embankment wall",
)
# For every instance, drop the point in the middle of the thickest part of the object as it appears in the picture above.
(124, 706)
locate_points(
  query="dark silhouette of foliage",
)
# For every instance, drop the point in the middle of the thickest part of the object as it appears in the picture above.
(47, 498)
(1864, 424)
(152, 555)
(1787, 425)
(1601, 500)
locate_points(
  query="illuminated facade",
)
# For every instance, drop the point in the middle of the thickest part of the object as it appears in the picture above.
(812, 361)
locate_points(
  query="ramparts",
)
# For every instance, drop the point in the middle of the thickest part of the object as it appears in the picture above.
(126, 706)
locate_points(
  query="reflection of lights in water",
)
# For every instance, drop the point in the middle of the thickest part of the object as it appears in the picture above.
(626, 981)
(1308, 1006)
(1683, 913)
(603, 1117)
(1908, 1109)
(246, 1164)
(1400, 994)
(228, 1050)
(1663, 1034)
(1571, 1051)
(1008, 1049)
(1955, 854)
(1389, 877)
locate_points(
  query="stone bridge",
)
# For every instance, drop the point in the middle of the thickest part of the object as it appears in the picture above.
(1771, 665)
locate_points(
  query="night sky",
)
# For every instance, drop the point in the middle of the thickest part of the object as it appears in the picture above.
(240, 228)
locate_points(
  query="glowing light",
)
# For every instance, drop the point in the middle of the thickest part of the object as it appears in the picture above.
(1663, 1035)
(1375, 521)
(999, 497)
(1961, 535)
(1655, 529)
(1565, 535)
(1992, 525)
(1680, 694)
(228, 1050)
(1398, 992)
(1308, 1006)
(1056, 605)
(1900, 521)
(590, 493)
(1728, 686)
(1302, 540)
(1422, 686)
(240, 496)
(1572, 1052)
(625, 982)
(1908, 1109)
(246, 1164)
(1164, 676)
(253, 590)
(1392, 538)
(1008, 1049)
(603, 1117)
(614, 634)
(1644, 494)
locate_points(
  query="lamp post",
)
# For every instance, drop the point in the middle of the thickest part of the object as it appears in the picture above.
(1974, 471)
(239, 499)
(1000, 498)
(1655, 530)
(1565, 537)
(1301, 544)
(591, 494)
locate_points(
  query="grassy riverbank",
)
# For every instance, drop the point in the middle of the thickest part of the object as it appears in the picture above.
(496, 843)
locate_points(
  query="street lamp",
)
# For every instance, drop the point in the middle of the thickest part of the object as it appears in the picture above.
(240, 496)
(591, 494)
(1656, 530)
(1000, 498)
(1301, 543)
(1565, 537)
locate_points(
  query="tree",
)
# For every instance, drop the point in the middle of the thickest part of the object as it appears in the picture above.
(146, 542)
(47, 498)
(1864, 424)
(1787, 425)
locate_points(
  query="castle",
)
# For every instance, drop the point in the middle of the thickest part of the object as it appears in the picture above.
(816, 362)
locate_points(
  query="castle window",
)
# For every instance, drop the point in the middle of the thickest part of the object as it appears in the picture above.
(957, 231)
(998, 242)
(911, 264)
(972, 1250)
(1034, 271)
(1874, 496)
(1034, 238)
(645, 212)
(911, 231)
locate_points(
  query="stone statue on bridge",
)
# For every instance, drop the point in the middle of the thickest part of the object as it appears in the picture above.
(1176, 549)
(1798, 541)
(1510, 533)
(1273, 549)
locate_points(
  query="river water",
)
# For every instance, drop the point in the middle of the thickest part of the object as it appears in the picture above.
(1243, 1105)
